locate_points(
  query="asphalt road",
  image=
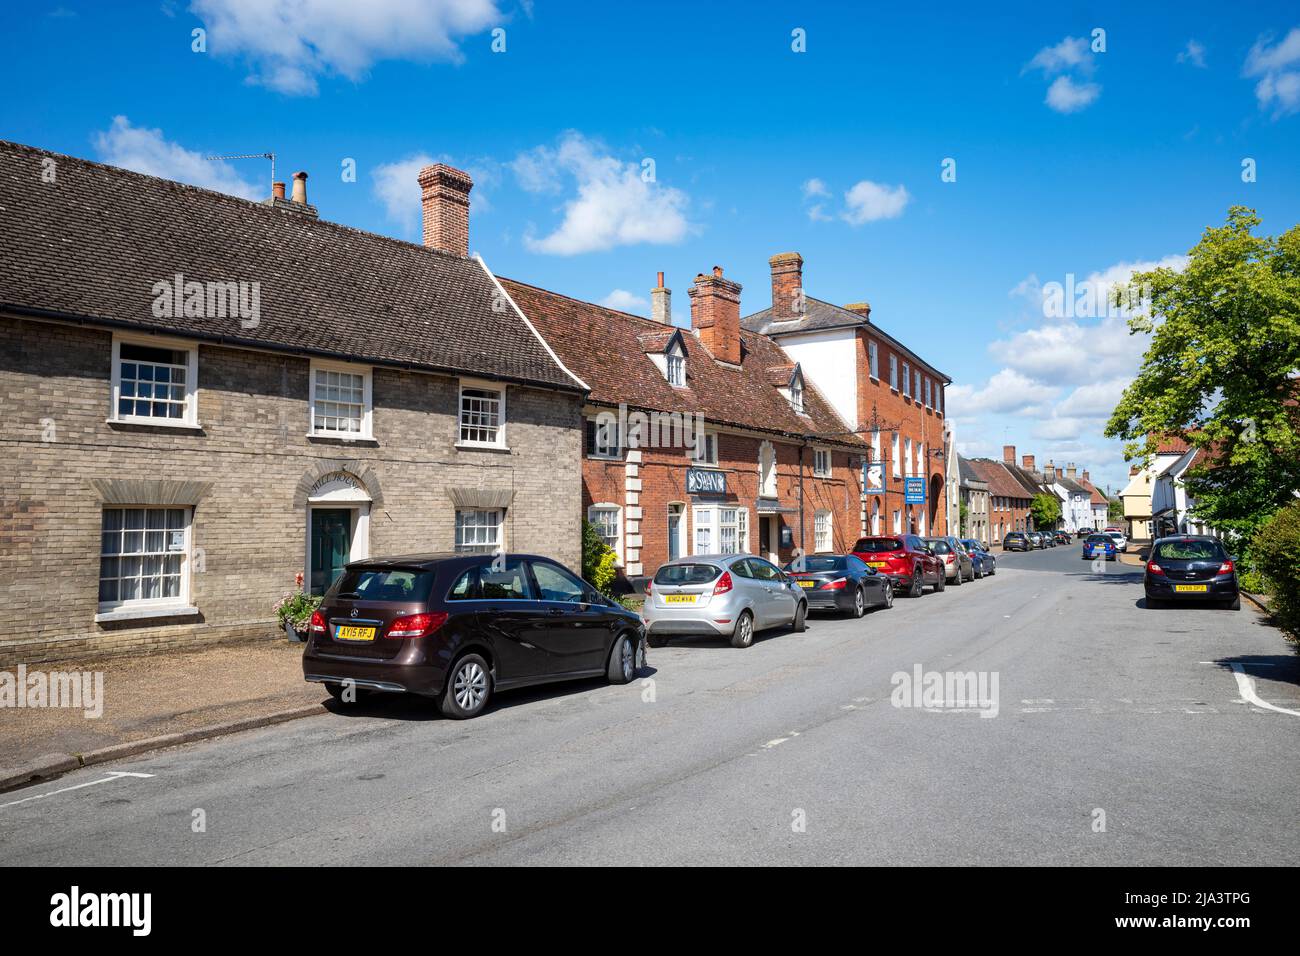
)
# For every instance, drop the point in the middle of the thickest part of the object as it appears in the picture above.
(788, 752)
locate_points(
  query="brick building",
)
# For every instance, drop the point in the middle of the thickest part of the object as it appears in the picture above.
(203, 396)
(776, 469)
(974, 491)
(882, 389)
(1009, 497)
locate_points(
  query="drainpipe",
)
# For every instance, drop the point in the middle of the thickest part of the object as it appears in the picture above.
(801, 451)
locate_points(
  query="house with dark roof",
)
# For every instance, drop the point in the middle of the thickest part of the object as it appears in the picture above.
(885, 391)
(701, 440)
(974, 490)
(205, 397)
(1009, 499)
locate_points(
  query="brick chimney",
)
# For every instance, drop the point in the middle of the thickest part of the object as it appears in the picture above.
(444, 199)
(1027, 462)
(715, 315)
(1069, 470)
(1008, 454)
(661, 303)
(860, 308)
(787, 286)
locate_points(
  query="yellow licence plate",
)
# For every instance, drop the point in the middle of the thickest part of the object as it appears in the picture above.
(878, 564)
(807, 584)
(679, 599)
(351, 633)
(1191, 587)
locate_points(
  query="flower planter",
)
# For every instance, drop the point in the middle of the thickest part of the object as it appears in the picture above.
(298, 637)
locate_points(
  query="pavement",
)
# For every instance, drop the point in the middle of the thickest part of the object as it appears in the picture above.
(1123, 735)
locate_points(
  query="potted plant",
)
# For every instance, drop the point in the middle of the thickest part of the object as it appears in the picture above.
(294, 611)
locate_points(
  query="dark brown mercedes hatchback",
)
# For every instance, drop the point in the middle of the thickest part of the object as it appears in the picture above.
(459, 627)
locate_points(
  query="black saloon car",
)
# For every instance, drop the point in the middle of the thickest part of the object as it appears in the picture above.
(458, 627)
(1017, 541)
(842, 582)
(1191, 568)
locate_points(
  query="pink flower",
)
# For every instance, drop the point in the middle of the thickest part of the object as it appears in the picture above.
(298, 579)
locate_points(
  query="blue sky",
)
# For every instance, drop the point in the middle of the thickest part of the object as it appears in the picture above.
(1070, 160)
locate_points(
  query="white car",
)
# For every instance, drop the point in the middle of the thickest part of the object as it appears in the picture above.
(1121, 542)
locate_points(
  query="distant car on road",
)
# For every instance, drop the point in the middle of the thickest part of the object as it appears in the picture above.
(1062, 537)
(459, 627)
(957, 564)
(727, 595)
(1191, 568)
(842, 582)
(984, 561)
(1121, 540)
(1099, 546)
(904, 559)
(1036, 540)
(1017, 541)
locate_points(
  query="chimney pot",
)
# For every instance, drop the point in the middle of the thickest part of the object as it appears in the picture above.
(1009, 454)
(444, 201)
(787, 286)
(300, 188)
(277, 190)
(715, 315)
(661, 281)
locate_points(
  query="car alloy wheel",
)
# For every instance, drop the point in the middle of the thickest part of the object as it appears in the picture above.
(744, 633)
(859, 604)
(470, 686)
(915, 589)
(627, 659)
(889, 595)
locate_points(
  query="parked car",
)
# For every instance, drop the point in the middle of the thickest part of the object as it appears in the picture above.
(984, 561)
(842, 582)
(957, 564)
(1017, 541)
(1062, 537)
(1048, 538)
(460, 627)
(1192, 568)
(725, 595)
(1121, 540)
(904, 559)
(1099, 546)
(1035, 540)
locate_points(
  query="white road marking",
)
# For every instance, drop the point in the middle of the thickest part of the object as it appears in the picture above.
(1246, 686)
(112, 775)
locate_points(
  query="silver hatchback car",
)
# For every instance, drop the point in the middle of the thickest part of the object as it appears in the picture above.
(728, 595)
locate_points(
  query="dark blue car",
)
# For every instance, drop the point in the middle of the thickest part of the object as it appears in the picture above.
(1099, 546)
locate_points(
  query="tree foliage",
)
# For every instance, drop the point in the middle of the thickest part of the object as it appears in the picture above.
(1276, 554)
(1220, 371)
(1046, 511)
(599, 562)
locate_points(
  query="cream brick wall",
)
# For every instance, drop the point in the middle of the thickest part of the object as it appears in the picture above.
(252, 446)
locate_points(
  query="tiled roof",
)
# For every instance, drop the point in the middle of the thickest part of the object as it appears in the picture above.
(1097, 497)
(1000, 479)
(820, 316)
(1071, 485)
(966, 471)
(1172, 446)
(603, 347)
(92, 244)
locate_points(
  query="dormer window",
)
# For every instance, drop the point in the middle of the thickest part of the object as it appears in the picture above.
(676, 370)
(796, 394)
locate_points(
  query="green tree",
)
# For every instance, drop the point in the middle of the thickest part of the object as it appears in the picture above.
(599, 562)
(1115, 509)
(963, 517)
(1275, 550)
(1046, 511)
(1219, 371)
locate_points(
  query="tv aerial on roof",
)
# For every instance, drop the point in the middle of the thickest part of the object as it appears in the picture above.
(270, 156)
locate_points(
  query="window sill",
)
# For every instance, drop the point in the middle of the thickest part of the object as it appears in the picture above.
(472, 446)
(330, 439)
(145, 612)
(154, 423)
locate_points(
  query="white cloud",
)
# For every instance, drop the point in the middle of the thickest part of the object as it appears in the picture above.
(1058, 429)
(1193, 53)
(1067, 96)
(1007, 392)
(868, 201)
(1095, 400)
(815, 187)
(147, 151)
(1070, 54)
(1278, 67)
(290, 43)
(397, 186)
(614, 204)
(813, 190)
(626, 301)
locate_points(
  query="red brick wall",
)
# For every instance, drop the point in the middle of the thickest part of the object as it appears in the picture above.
(662, 473)
(912, 420)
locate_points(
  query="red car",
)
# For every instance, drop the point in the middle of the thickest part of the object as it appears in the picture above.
(904, 559)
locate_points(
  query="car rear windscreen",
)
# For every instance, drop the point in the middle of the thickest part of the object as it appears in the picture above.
(402, 585)
(1189, 551)
(940, 547)
(686, 574)
(877, 545)
(1100, 539)
(819, 563)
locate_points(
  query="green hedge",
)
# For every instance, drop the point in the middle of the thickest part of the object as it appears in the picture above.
(1275, 553)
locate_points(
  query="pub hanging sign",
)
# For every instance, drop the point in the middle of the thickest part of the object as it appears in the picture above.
(700, 481)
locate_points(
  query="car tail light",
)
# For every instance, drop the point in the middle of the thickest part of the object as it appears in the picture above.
(647, 588)
(1227, 567)
(723, 585)
(1154, 568)
(948, 559)
(416, 625)
(836, 585)
(317, 622)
